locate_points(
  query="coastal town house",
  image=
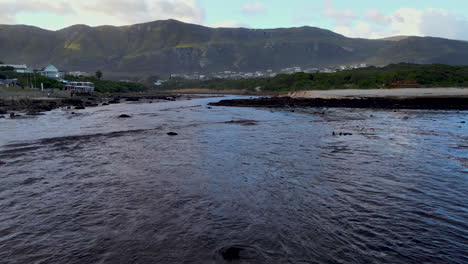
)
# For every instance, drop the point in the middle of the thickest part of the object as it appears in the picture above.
(51, 71)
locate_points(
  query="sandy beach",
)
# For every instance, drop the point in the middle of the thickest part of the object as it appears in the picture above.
(379, 93)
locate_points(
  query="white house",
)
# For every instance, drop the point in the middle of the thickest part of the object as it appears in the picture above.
(51, 71)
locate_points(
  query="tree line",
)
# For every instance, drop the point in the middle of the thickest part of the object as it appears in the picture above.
(432, 75)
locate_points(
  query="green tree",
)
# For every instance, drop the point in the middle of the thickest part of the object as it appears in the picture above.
(6, 69)
(99, 74)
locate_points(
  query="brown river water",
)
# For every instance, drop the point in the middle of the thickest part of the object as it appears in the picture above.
(236, 185)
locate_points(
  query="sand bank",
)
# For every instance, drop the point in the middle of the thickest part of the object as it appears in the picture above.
(381, 93)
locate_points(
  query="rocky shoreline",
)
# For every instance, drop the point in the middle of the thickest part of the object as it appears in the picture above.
(442, 103)
(36, 106)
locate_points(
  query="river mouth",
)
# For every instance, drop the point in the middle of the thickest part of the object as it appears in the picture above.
(235, 185)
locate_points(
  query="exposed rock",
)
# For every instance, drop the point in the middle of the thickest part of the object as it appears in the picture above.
(172, 134)
(243, 122)
(124, 116)
(34, 113)
(231, 253)
(80, 107)
(104, 104)
(386, 103)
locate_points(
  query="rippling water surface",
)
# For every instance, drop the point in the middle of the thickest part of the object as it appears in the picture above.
(274, 186)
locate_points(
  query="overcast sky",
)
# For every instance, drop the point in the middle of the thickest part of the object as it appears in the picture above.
(353, 18)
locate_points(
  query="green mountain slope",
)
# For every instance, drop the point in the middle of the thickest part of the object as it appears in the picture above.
(171, 46)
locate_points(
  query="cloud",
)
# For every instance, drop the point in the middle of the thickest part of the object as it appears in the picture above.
(441, 23)
(137, 11)
(99, 12)
(230, 24)
(373, 23)
(9, 8)
(377, 17)
(253, 8)
(342, 17)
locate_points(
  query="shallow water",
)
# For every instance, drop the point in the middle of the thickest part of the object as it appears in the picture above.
(274, 186)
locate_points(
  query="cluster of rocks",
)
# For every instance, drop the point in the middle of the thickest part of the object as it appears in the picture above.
(448, 103)
(37, 106)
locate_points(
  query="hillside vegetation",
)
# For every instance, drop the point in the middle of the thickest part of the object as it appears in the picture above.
(170, 46)
(436, 75)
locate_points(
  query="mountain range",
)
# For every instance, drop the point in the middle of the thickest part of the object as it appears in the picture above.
(170, 46)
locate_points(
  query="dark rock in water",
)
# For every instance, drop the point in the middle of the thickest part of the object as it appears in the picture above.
(3, 112)
(172, 134)
(334, 134)
(231, 253)
(114, 101)
(73, 113)
(385, 103)
(80, 107)
(2, 116)
(132, 99)
(243, 122)
(13, 115)
(68, 107)
(34, 113)
(124, 116)
(209, 107)
(463, 122)
(2, 162)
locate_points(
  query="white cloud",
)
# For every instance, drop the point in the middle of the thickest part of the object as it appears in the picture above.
(230, 24)
(137, 11)
(377, 17)
(404, 21)
(343, 17)
(440, 23)
(99, 12)
(254, 8)
(9, 8)
(359, 30)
